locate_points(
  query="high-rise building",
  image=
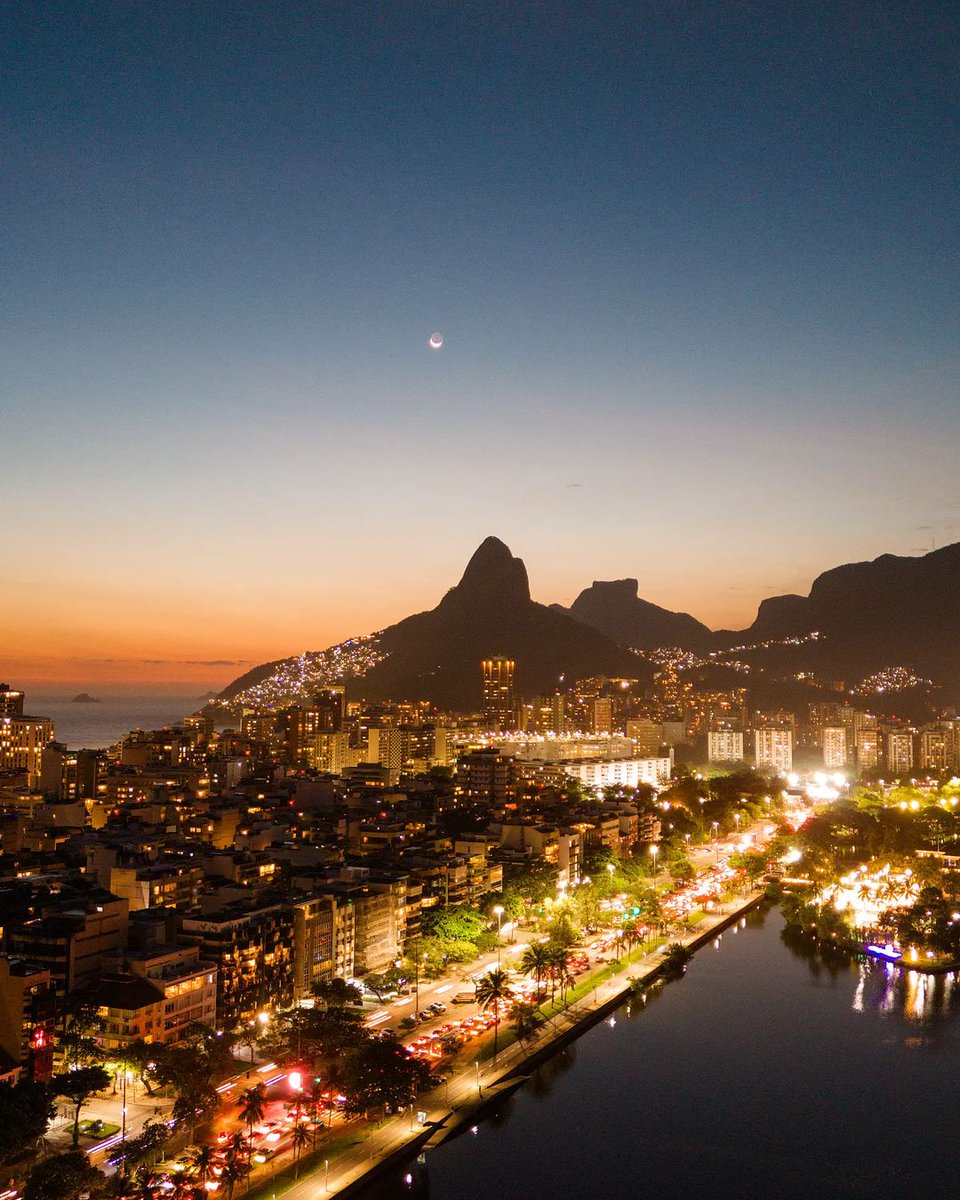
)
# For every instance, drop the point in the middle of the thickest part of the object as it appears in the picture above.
(498, 692)
(834, 742)
(22, 740)
(724, 745)
(773, 747)
(868, 749)
(898, 752)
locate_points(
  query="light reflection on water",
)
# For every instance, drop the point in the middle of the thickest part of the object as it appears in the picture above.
(766, 1073)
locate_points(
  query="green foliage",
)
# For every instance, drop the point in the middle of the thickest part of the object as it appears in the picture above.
(25, 1110)
(380, 1072)
(337, 993)
(64, 1177)
(77, 1087)
(461, 924)
(561, 928)
(752, 862)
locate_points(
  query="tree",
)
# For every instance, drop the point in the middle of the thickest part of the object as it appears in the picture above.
(64, 1177)
(525, 1019)
(535, 961)
(78, 1086)
(25, 1111)
(379, 1071)
(385, 982)
(493, 991)
(82, 1025)
(200, 1161)
(337, 993)
(559, 971)
(252, 1103)
(235, 1162)
(301, 1138)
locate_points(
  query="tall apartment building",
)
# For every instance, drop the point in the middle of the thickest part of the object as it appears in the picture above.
(647, 736)
(834, 744)
(867, 749)
(22, 741)
(898, 752)
(11, 701)
(724, 745)
(498, 692)
(773, 748)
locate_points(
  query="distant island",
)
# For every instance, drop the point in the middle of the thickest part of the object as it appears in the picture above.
(85, 698)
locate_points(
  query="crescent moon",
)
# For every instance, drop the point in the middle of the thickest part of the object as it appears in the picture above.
(435, 341)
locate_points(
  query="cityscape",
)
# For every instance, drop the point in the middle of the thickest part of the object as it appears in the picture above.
(479, 602)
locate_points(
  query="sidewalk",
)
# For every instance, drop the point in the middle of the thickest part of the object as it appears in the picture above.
(480, 1083)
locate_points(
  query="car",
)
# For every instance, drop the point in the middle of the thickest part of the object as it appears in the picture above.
(425, 1015)
(465, 997)
(438, 1007)
(408, 1022)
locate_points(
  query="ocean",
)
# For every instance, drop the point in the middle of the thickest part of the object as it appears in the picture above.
(92, 726)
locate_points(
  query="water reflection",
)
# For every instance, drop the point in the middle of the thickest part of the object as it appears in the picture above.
(737, 1075)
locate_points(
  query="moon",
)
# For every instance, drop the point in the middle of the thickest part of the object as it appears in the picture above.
(435, 341)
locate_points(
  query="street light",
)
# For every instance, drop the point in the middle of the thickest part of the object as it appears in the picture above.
(654, 851)
(716, 840)
(498, 912)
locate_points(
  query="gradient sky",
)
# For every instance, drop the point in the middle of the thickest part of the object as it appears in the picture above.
(696, 266)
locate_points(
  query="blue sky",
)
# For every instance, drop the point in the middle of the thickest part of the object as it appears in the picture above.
(696, 268)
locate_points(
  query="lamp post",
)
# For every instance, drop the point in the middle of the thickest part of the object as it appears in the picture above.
(654, 851)
(716, 840)
(498, 912)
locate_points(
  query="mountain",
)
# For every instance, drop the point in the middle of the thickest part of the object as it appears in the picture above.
(893, 611)
(615, 609)
(436, 655)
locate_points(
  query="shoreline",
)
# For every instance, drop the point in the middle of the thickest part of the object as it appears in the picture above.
(481, 1092)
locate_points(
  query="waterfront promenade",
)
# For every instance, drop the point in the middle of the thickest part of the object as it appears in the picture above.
(474, 1086)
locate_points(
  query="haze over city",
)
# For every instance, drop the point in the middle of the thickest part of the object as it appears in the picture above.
(694, 268)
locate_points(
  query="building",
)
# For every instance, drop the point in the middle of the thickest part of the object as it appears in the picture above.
(898, 752)
(76, 941)
(867, 749)
(724, 745)
(834, 741)
(498, 692)
(188, 984)
(11, 701)
(27, 1017)
(647, 736)
(485, 776)
(773, 748)
(599, 773)
(22, 740)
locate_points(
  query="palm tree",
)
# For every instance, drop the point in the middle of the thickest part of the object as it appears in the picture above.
(252, 1105)
(559, 971)
(525, 1018)
(234, 1167)
(493, 989)
(238, 1146)
(199, 1161)
(535, 961)
(301, 1137)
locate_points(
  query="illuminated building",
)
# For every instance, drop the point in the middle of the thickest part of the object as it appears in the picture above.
(773, 747)
(898, 752)
(834, 743)
(724, 745)
(11, 701)
(22, 740)
(867, 749)
(498, 692)
(27, 1007)
(627, 772)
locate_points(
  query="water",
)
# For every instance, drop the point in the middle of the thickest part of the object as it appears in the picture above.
(90, 726)
(763, 1074)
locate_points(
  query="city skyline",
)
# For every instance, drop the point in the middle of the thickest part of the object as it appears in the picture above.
(695, 272)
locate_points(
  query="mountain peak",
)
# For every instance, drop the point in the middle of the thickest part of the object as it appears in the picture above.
(494, 574)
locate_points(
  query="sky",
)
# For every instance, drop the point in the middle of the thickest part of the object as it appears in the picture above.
(695, 266)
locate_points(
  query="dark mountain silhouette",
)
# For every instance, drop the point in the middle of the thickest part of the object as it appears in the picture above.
(892, 611)
(436, 655)
(615, 609)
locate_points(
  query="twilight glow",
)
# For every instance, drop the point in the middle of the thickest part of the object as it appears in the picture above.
(694, 268)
